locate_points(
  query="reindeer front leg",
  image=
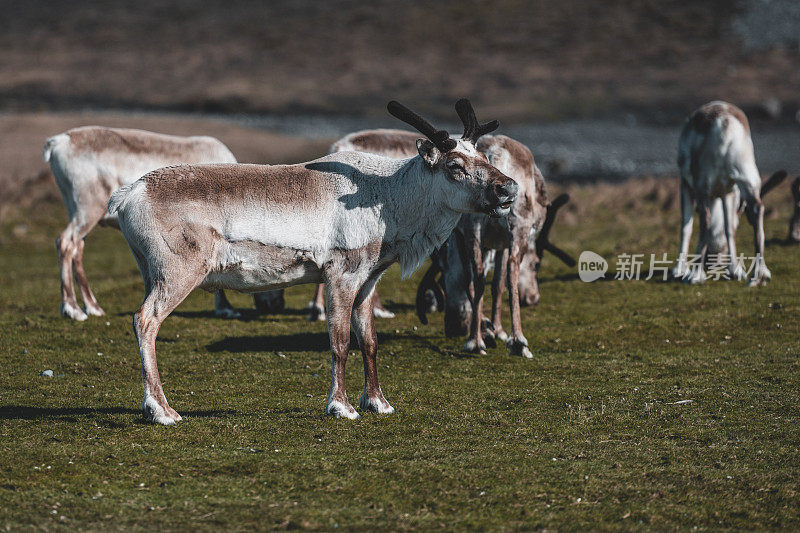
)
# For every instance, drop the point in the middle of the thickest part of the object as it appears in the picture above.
(755, 215)
(222, 307)
(698, 274)
(517, 344)
(475, 342)
(729, 211)
(339, 307)
(498, 284)
(681, 269)
(363, 321)
(316, 307)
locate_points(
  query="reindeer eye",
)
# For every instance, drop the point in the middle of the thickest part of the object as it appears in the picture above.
(455, 167)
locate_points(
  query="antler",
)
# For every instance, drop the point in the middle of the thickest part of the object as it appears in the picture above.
(543, 239)
(440, 138)
(473, 129)
(772, 182)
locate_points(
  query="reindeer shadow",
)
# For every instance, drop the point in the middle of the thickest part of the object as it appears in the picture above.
(72, 414)
(295, 342)
(776, 241)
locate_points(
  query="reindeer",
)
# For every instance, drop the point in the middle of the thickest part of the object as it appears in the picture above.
(342, 220)
(455, 291)
(398, 144)
(91, 162)
(715, 155)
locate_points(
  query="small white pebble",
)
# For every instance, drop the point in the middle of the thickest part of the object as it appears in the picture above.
(47, 374)
(108, 323)
(100, 354)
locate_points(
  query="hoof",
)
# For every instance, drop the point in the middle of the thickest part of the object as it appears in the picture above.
(679, 271)
(315, 313)
(94, 311)
(338, 409)
(430, 302)
(377, 404)
(158, 414)
(75, 313)
(380, 312)
(473, 346)
(739, 274)
(696, 277)
(762, 279)
(227, 313)
(489, 339)
(501, 335)
(519, 348)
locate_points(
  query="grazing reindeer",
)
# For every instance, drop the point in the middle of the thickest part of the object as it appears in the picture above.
(342, 220)
(715, 234)
(453, 262)
(715, 155)
(90, 163)
(511, 238)
(794, 223)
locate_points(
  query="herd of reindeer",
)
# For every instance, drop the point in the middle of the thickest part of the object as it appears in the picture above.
(194, 217)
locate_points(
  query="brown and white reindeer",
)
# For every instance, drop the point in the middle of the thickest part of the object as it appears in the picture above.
(342, 220)
(512, 238)
(715, 156)
(90, 163)
(399, 144)
(454, 291)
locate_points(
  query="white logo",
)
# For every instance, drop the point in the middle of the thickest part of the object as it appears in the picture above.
(591, 266)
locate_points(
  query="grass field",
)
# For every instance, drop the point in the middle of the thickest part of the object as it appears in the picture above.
(591, 433)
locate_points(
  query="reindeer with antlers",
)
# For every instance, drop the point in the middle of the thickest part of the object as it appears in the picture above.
(456, 273)
(342, 219)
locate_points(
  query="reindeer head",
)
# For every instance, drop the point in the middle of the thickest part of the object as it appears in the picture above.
(715, 238)
(468, 182)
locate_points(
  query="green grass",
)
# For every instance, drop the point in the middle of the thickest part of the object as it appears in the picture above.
(585, 435)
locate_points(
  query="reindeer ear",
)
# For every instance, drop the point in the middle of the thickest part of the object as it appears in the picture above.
(428, 151)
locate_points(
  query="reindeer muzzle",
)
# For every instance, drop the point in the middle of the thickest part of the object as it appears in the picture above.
(501, 197)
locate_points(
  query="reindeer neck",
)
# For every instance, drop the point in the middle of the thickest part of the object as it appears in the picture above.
(422, 219)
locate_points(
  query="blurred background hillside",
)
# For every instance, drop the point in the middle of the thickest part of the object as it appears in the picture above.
(596, 89)
(546, 59)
